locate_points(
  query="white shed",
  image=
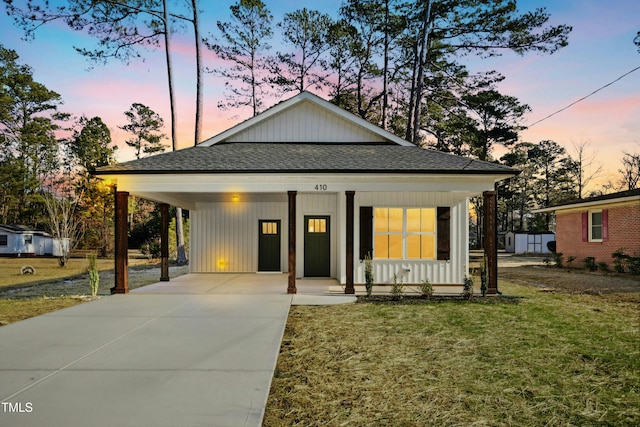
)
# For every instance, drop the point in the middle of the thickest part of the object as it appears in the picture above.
(528, 242)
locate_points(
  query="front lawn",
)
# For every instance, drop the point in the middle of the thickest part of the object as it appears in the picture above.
(550, 359)
(53, 288)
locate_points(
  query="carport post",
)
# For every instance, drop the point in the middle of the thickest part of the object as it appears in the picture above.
(164, 242)
(349, 289)
(121, 243)
(490, 206)
(291, 289)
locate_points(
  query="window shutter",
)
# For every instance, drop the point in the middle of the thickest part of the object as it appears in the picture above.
(366, 231)
(585, 226)
(444, 233)
(605, 225)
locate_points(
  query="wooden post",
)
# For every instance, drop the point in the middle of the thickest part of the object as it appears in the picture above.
(164, 242)
(291, 288)
(122, 243)
(490, 207)
(349, 289)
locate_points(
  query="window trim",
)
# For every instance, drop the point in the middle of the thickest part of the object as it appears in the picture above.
(405, 234)
(591, 225)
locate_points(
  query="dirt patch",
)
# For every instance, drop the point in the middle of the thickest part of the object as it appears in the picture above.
(570, 280)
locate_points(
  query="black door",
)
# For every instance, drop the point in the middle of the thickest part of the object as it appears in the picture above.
(269, 245)
(317, 246)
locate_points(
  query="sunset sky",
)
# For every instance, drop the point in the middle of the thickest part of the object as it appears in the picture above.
(600, 50)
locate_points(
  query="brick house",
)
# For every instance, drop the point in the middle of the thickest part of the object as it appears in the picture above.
(598, 226)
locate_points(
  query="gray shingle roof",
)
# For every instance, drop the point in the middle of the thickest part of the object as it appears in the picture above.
(308, 158)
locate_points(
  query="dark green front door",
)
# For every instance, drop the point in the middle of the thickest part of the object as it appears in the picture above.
(269, 245)
(317, 246)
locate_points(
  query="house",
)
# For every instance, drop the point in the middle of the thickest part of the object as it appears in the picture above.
(528, 242)
(598, 226)
(308, 189)
(18, 240)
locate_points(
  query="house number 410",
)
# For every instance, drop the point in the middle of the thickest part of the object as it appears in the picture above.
(321, 187)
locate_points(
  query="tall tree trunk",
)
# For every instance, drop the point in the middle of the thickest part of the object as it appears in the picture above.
(424, 47)
(199, 73)
(412, 96)
(167, 52)
(385, 71)
(182, 257)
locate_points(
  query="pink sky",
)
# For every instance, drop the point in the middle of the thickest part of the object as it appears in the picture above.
(600, 50)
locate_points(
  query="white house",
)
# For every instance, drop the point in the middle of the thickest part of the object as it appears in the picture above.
(17, 240)
(308, 189)
(529, 242)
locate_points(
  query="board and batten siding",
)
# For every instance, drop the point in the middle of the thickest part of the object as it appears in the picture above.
(306, 123)
(224, 236)
(415, 271)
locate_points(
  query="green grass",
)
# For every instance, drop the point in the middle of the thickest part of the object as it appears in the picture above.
(551, 359)
(53, 287)
(15, 310)
(47, 269)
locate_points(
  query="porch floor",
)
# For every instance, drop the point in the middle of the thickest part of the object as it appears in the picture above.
(320, 291)
(310, 291)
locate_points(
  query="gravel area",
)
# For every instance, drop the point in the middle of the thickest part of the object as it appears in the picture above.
(138, 276)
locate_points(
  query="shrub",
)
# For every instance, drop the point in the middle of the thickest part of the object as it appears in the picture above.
(426, 288)
(589, 263)
(633, 264)
(619, 259)
(94, 276)
(467, 290)
(368, 274)
(604, 267)
(558, 259)
(397, 287)
(570, 260)
(484, 278)
(154, 249)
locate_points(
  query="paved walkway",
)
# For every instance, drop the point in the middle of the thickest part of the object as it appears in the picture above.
(195, 351)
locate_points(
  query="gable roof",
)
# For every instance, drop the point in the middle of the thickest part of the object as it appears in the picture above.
(622, 196)
(22, 229)
(289, 140)
(306, 158)
(330, 120)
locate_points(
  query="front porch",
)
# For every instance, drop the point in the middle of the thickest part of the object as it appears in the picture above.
(311, 291)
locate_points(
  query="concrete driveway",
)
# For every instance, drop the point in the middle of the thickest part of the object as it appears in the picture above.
(160, 356)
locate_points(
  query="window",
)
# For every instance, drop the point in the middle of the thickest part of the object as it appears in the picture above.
(317, 225)
(595, 226)
(269, 227)
(28, 239)
(404, 233)
(4, 240)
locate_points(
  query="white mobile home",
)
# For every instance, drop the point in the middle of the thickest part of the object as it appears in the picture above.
(17, 240)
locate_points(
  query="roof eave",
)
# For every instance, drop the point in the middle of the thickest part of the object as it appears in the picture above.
(587, 204)
(505, 174)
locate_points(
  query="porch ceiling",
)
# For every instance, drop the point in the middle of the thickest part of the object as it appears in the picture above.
(189, 200)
